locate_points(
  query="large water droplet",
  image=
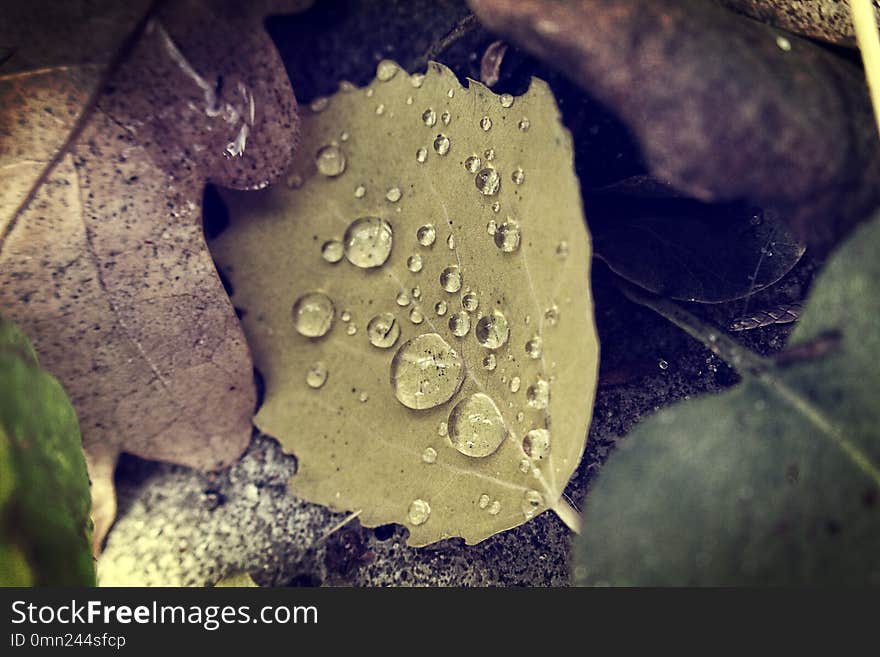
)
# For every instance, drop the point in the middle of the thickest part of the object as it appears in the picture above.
(442, 144)
(426, 372)
(330, 160)
(508, 237)
(538, 394)
(472, 164)
(450, 279)
(488, 181)
(419, 512)
(476, 427)
(386, 70)
(367, 242)
(532, 502)
(492, 330)
(316, 375)
(332, 251)
(460, 324)
(429, 117)
(426, 235)
(414, 263)
(536, 444)
(383, 330)
(313, 314)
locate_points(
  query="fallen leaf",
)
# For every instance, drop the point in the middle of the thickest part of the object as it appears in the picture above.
(107, 269)
(725, 108)
(44, 488)
(775, 482)
(418, 304)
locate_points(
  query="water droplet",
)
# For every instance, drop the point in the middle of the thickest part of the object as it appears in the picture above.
(343, 136)
(491, 227)
(490, 362)
(421, 155)
(535, 347)
(524, 124)
(492, 330)
(441, 144)
(426, 235)
(552, 315)
(489, 154)
(536, 444)
(316, 375)
(472, 164)
(494, 508)
(496, 207)
(532, 502)
(429, 455)
(393, 194)
(506, 100)
(319, 104)
(347, 87)
(488, 181)
(476, 427)
(330, 160)
(415, 316)
(446, 117)
(332, 251)
(345, 316)
(508, 237)
(440, 308)
(515, 383)
(409, 100)
(783, 43)
(470, 302)
(426, 372)
(450, 93)
(429, 117)
(402, 299)
(662, 364)
(386, 70)
(450, 279)
(486, 123)
(416, 292)
(450, 241)
(562, 249)
(380, 109)
(383, 330)
(524, 466)
(538, 394)
(520, 416)
(483, 502)
(369, 92)
(367, 242)
(364, 397)
(442, 429)
(518, 176)
(419, 512)
(417, 79)
(360, 191)
(414, 263)
(313, 314)
(351, 329)
(460, 324)
(294, 181)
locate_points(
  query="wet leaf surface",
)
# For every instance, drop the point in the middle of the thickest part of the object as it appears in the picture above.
(44, 488)
(775, 482)
(413, 300)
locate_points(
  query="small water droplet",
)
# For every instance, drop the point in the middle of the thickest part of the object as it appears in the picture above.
(520, 416)
(515, 383)
(536, 444)
(524, 124)
(532, 502)
(508, 236)
(343, 136)
(351, 329)
(484, 500)
(442, 429)
(496, 207)
(347, 87)
(429, 455)
(360, 191)
(416, 292)
(402, 299)
(316, 375)
(472, 164)
(489, 154)
(421, 155)
(313, 314)
(383, 330)
(364, 397)
(393, 194)
(562, 249)
(332, 251)
(386, 70)
(450, 241)
(490, 362)
(535, 347)
(552, 315)
(506, 100)
(494, 508)
(491, 227)
(538, 394)
(409, 100)
(450, 93)
(426, 372)
(476, 427)
(319, 104)
(492, 330)
(367, 242)
(662, 364)
(488, 181)
(518, 176)
(450, 279)
(426, 235)
(415, 316)
(414, 263)
(486, 123)
(330, 160)
(429, 117)
(417, 79)
(446, 117)
(380, 109)
(460, 324)
(294, 181)
(441, 144)
(524, 466)
(419, 512)
(369, 92)
(440, 308)
(470, 302)
(345, 316)
(783, 43)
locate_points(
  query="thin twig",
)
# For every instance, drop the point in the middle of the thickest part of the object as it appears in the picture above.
(461, 29)
(865, 24)
(339, 525)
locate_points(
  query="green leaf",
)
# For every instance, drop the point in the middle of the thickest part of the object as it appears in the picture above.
(775, 482)
(44, 489)
(411, 418)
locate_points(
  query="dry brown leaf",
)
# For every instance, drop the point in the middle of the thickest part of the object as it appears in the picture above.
(107, 268)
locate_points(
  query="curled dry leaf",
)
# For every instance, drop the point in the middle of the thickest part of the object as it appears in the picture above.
(418, 303)
(490, 64)
(724, 107)
(106, 268)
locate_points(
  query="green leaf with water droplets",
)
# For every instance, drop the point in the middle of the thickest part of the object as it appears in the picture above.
(417, 299)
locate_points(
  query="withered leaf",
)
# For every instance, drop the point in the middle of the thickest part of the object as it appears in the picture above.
(107, 269)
